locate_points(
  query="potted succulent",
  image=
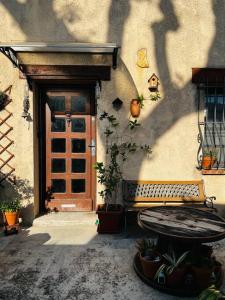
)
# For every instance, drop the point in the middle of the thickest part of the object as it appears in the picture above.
(10, 210)
(149, 256)
(209, 157)
(173, 269)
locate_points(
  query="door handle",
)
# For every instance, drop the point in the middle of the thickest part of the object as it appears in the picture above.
(92, 147)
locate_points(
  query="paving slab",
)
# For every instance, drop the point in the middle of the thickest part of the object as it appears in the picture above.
(73, 262)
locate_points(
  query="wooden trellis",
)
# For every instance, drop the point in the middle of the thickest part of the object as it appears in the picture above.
(5, 163)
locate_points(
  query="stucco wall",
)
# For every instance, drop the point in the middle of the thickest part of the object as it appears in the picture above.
(178, 35)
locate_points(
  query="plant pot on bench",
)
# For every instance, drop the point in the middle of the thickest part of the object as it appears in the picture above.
(110, 218)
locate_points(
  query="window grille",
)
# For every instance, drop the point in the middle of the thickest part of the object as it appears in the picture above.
(211, 109)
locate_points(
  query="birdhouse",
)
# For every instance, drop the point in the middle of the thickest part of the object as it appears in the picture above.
(117, 104)
(153, 83)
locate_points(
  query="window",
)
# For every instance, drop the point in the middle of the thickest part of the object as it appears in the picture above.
(211, 111)
(214, 125)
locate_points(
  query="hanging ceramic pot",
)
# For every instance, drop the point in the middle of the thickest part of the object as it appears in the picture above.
(135, 108)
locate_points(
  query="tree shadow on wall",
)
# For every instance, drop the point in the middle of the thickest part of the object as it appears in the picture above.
(178, 102)
(37, 12)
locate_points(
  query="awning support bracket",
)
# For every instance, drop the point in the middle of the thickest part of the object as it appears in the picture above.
(11, 55)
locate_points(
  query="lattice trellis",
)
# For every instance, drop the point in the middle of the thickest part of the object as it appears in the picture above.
(162, 190)
(6, 156)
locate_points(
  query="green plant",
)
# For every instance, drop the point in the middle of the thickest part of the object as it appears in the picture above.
(133, 124)
(10, 206)
(141, 99)
(155, 96)
(211, 293)
(210, 151)
(172, 262)
(147, 247)
(109, 174)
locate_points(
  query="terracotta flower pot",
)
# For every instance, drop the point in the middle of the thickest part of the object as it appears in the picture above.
(135, 108)
(208, 162)
(149, 267)
(11, 218)
(202, 276)
(110, 221)
(176, 278)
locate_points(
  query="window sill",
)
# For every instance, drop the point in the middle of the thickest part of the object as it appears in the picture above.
(213, 172)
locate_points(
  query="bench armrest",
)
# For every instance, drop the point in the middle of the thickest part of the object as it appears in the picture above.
(209, 202)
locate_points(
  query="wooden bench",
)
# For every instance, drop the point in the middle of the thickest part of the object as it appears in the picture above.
(138, 195)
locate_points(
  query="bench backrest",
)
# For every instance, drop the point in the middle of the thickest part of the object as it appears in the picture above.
(163, 191)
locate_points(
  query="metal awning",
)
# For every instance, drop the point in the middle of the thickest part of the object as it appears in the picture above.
(11, 50)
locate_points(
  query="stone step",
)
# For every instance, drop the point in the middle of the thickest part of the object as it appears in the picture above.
(66, 218)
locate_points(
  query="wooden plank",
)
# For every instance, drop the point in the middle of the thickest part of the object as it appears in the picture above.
(150, 204)
(165, 199)
(197, 182)
(183, 223)
(208, 75)
(99, 72)
(213, 172)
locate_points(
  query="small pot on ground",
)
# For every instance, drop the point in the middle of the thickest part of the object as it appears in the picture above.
(203, 276)
(176, 278)
(12, 218)
(110, 218)
(150, 264)
(10, 210)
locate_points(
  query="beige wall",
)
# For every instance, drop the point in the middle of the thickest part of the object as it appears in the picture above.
(178, 35)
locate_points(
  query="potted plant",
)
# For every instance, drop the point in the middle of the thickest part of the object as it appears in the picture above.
(174, 268)
(209, 157)
(10, 210)
(136, 105)
(149, 256)
(3, 98)
(202, 266)
(211, 293)
(109, 174)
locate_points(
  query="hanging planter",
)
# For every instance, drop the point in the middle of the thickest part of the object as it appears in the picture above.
(136, 105)
(135, 108)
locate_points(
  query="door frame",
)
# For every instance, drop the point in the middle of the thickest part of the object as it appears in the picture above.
(41, 132)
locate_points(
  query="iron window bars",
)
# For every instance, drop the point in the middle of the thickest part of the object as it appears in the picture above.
(211, 122)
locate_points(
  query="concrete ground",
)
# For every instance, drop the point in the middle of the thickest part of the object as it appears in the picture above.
(73, 262)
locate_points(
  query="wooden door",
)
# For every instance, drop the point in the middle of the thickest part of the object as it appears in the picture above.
(70, 150)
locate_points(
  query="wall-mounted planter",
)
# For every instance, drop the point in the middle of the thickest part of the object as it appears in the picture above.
(135, 108)
(208, 162)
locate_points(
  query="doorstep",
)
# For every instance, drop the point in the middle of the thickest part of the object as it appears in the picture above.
(66, 218)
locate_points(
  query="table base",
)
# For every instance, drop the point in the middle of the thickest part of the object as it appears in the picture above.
(182, 292)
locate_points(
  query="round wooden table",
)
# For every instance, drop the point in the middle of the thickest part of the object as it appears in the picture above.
(184, 224)
(182, 227)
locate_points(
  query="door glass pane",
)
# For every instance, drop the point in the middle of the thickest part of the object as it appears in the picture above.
(78, 166)
(78, 125)
(59, 145)
(58, 165)
(58, 185)
(78, 145)
(58, 125)
(78, 104)
(56, 103)
(78, 185)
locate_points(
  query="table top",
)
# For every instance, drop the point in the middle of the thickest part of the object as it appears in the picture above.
(182, 223)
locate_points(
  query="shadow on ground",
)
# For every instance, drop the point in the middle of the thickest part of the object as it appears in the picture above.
(70, 263)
